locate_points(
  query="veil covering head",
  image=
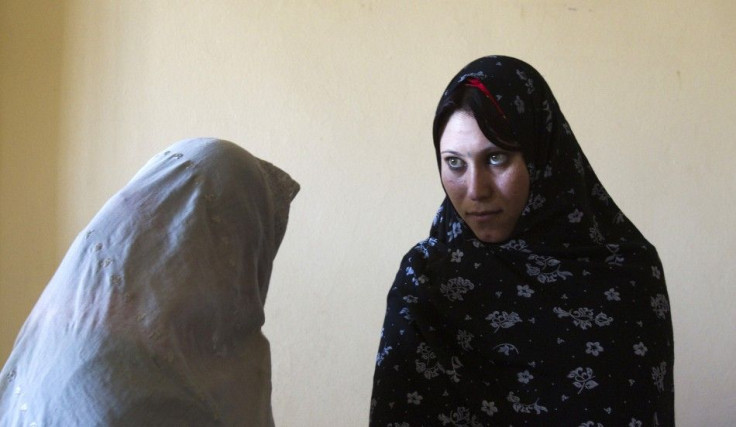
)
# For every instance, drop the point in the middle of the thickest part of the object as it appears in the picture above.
(565, 323)
(154, 315)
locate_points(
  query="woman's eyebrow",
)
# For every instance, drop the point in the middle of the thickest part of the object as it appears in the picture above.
(491, 149)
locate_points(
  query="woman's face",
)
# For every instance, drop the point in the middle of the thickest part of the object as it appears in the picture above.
(487, 185)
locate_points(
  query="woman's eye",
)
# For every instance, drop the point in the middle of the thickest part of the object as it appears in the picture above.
(498, 158)
(454, 163)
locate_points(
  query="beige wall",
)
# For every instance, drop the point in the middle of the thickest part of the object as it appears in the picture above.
(341, 95)
(30, 82)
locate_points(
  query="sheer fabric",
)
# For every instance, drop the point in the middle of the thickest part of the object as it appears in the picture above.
(154, 315)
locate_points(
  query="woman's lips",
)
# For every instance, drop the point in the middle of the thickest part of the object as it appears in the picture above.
(483, 215)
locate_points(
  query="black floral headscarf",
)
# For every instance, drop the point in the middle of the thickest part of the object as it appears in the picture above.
(566, 323)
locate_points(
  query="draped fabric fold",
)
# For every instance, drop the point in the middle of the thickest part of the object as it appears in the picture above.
(566, 323)
(154, 315)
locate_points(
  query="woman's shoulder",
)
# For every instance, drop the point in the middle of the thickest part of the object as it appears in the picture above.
(425, 254)
(425, 248)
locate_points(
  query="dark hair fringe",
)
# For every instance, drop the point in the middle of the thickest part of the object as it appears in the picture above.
(492, 123)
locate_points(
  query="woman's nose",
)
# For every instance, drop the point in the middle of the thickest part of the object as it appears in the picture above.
(480, 184)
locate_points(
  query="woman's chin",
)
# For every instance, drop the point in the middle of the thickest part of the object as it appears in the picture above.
(492, 236)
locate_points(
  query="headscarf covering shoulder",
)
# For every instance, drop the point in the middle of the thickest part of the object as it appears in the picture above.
(154, 315)
(547, 328)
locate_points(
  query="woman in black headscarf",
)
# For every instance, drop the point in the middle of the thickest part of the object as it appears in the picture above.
(534, 301)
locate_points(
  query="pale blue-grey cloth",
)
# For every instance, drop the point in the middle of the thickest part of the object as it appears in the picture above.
(154, 315)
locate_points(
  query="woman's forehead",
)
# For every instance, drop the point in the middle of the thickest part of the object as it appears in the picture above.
(462, 135)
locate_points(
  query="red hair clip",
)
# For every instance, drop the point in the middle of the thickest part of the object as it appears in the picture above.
(476, 83)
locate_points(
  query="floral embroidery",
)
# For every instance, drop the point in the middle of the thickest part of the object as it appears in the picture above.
(578, 163)
(612, 295)
(506, 348)
(489, 407)
(425, 245)
(416, 280)
(463, 340)
(615, 258)
(480, 75)
(661, 306)
(594, 348)
(519, 104)
(453, 373)
(382, 354)
(658, 375)
(524, 291)
(428, 366)
(524, 377)
(534, 173)
(640, 349)
(535, 202)
(438, 216)
(455, 288)
(546, 269)
(595, 233)
(599, 192)
(529, 83)
(524, 408)
(455, 231)
(461, 417)
(548, 117)
(584, 317)
(583, 379)
(516, 245)
(503, 319)
(575, 216)
(414, 398)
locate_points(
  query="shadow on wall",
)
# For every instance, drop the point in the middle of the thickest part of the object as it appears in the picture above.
(31, 47)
